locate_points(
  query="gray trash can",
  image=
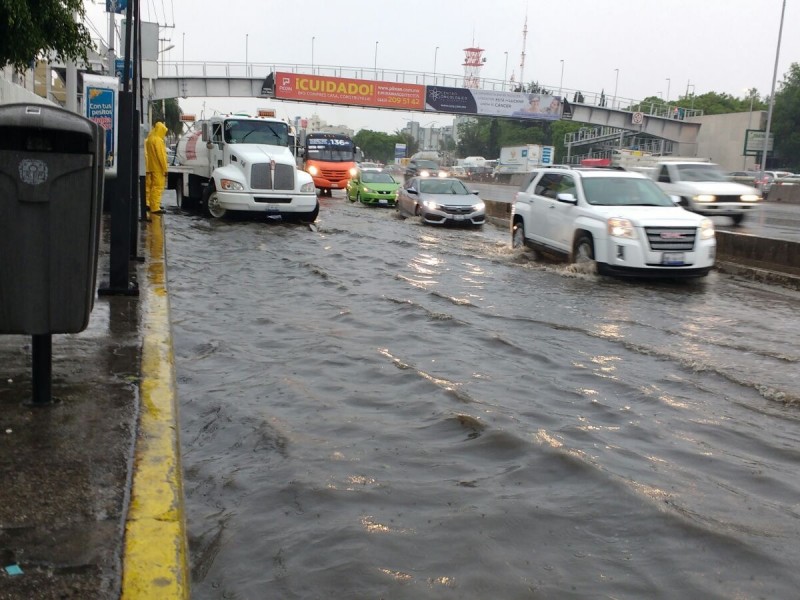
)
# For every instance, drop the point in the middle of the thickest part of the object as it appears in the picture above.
(51, 189)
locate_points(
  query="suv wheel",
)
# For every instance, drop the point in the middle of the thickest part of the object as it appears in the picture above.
(583, 255)
(518, 235)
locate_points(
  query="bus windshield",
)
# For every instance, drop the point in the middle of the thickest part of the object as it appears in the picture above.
(250, 131)
(329, 148)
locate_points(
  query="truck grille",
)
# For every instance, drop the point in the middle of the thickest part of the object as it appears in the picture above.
(671, 238)
(261, 177)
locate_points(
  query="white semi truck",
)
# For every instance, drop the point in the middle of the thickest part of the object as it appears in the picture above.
(242, 163)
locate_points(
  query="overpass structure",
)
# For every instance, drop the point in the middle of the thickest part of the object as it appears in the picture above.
(617, 116)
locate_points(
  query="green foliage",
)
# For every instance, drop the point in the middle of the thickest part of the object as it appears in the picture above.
(31, 29)
(173, 116)
(379, 146)
(786, 120)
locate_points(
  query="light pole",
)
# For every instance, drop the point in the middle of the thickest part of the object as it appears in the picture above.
(183, 56)
(376, 59)
(435, 56)
(667, 98)
(690, 85)
(312, 54)
(616, 83)
(772, 96)
(505, 72)
(246, 46)
(749, 125)
(561, 81)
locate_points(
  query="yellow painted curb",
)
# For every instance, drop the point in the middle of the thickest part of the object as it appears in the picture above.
(155, 559)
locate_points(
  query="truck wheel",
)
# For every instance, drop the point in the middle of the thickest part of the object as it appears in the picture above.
(211, 202)
(737, 219)
(180, 201)
(311, 216)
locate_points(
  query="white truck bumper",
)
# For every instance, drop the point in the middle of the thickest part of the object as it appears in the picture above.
(291, 203)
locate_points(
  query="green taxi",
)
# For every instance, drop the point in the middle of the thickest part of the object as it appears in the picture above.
(369, 187)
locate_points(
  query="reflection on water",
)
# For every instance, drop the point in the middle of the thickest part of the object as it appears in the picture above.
(371, 408)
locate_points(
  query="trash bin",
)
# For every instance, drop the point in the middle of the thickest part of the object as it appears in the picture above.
(51, 188)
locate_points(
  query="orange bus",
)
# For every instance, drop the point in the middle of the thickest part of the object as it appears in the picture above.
(330, 158)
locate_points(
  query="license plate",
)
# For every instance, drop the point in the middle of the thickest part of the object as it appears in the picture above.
(383, 201)
(272, 208)
(672, 258)
(459, 217)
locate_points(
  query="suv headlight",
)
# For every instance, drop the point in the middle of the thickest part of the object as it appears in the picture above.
(621, 228)
(705, 198)
(229, 185)
(706, 229)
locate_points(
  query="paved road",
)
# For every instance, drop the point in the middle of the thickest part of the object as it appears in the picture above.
(373, 408)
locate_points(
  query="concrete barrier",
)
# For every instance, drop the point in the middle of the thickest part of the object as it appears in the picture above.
(765, 259)
(786, 194)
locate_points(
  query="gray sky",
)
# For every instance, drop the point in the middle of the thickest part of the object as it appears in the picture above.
(657, 46)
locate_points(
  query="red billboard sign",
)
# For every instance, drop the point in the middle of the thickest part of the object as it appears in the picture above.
(356, 92)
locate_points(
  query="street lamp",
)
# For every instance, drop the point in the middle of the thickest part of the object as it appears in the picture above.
(376, 59)
(312, 54)
(616, 83)
(246, 46)
(505, 72)
(435, 55)
(561, 82)
(667, 98)
(772, 95)
(183, 56)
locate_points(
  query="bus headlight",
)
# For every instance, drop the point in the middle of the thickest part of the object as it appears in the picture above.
(312, 170)
(353, 172)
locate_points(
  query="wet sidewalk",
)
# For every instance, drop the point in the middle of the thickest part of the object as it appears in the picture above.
(90, 501)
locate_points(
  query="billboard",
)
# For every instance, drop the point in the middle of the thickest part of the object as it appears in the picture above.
(100, 105)
(493, 104)
(754, 142)
(355, 92)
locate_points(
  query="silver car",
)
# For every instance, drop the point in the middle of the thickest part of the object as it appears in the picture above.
(440, 201)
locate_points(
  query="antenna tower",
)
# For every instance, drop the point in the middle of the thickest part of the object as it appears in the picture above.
(522, 60)
(473, 62)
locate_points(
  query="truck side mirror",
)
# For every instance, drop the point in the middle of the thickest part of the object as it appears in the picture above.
(205, 135)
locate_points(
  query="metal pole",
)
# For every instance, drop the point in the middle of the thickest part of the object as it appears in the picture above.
(42, 371)
(183, 56)
(772, 96)
(312, 54)
(246, 57)
(668, 84)
(435, 56)
(376, 59)
(616, 83)
(749, 125)
(505, 72)
(561, 82)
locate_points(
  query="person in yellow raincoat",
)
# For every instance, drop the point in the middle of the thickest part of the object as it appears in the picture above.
(155, 158)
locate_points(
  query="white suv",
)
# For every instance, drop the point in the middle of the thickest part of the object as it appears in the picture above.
(620, 220)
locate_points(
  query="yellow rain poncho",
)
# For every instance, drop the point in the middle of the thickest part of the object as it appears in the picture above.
(155, 157)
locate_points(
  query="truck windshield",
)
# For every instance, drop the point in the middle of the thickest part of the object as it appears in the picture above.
(330, 149)
(702, 172)
(251, 131)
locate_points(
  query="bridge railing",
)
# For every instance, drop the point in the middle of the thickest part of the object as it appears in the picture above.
(254, 70)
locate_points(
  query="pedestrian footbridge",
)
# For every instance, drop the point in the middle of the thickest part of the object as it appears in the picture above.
(246, 80)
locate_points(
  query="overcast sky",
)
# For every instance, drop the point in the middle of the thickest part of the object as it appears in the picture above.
(643, 48)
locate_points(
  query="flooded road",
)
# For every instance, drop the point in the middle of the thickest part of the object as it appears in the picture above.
(376, 409)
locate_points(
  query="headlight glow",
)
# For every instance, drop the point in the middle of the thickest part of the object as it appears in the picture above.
(424, 173)
(353, 172)
(621, 228)
(479, 206)
(442, 173)
(308, 187)
(706, 229)
(430, 204)
(705, 198)
(229, 185)
(366, 189)
(312, 170)
(750, 198)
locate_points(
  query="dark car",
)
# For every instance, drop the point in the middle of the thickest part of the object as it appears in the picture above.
(421, 167)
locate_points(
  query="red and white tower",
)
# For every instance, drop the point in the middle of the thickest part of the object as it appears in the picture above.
(473, 61)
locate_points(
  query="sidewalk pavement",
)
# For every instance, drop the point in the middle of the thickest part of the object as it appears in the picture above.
(91, 504)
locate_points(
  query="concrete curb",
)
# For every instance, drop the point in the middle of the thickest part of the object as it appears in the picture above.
(155, 557)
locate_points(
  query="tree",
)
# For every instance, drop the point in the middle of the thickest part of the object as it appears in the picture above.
(31, 29)
(172, 119)
(786, 119)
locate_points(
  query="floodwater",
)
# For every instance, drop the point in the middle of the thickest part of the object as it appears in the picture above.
(376, 409)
